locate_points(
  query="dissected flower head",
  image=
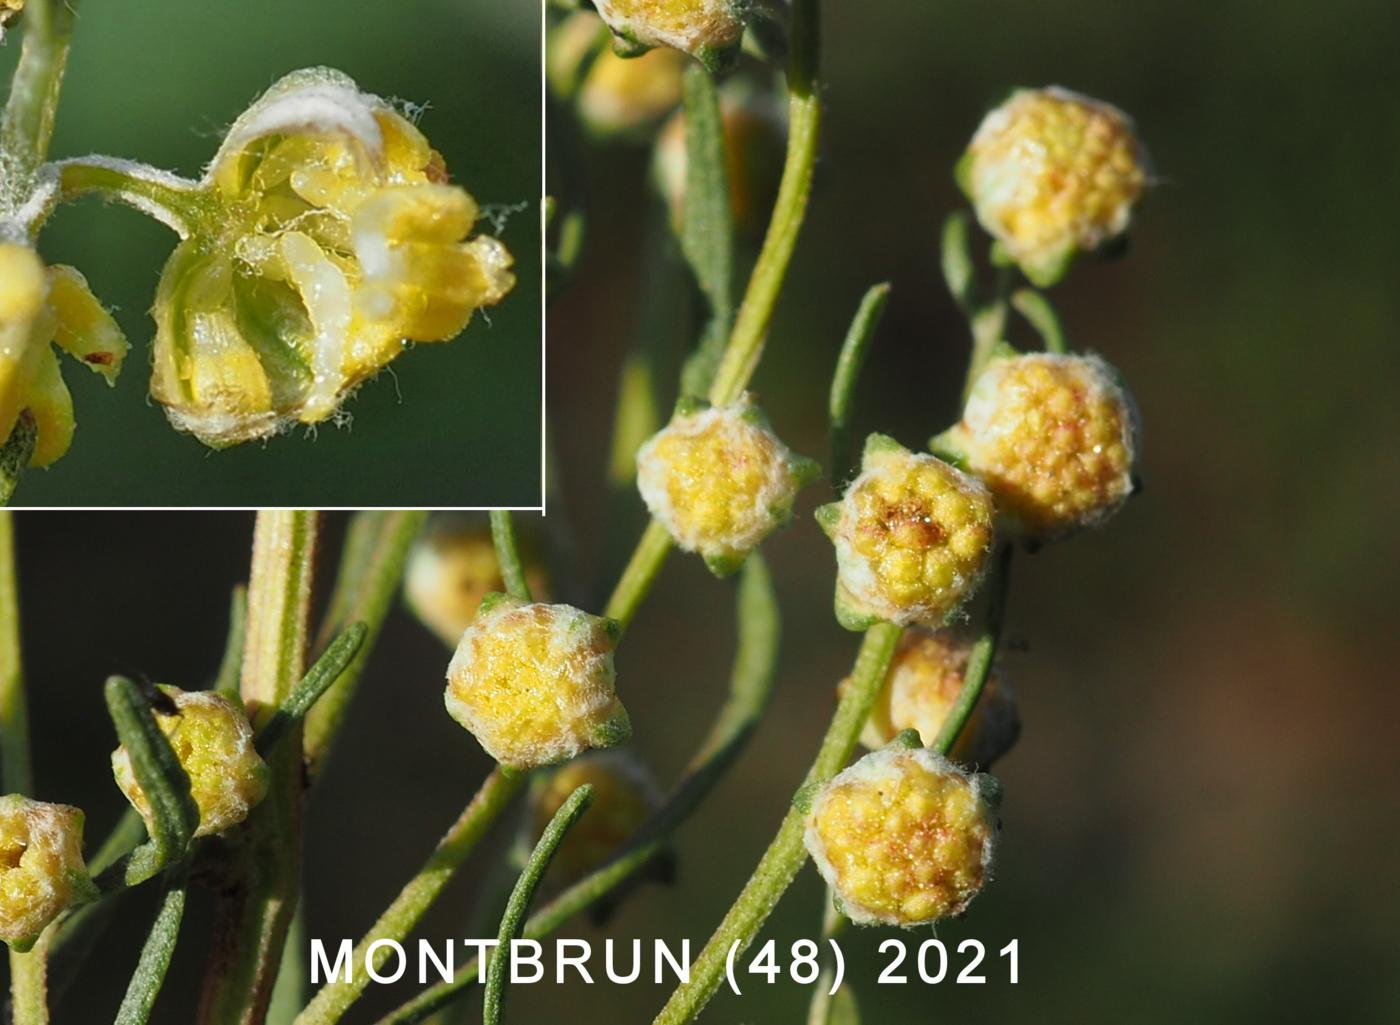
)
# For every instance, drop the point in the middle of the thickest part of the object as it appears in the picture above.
(452, 568)
(1053, 437)
(719, 480)
(920, 689)
(1051, 174)
(624, 797)
(334, 241)
(903, 837)
(617, 95)
(535, 683)
(912, 537)
(42, 873)
(40, 308)
(213, 740)
(708, 30)
(754, 130)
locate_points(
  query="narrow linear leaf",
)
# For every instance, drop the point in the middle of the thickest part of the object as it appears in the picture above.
(231, 666)
(849, 365)
(958, 268)
(156, 768)
(151, 967)
(318, 679)
(844, 1010)
(519, 903)
(508, 554)
(1042, 316)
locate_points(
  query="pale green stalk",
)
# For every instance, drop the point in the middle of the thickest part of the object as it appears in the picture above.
(26, 127)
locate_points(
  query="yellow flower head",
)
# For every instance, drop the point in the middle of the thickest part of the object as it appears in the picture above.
(618, 95)
(903, 837)
(42, 873)
(624, 797)
(920, 689)
(41, 308)
(1053, 437)
(535, 683)
(912, 537)
(720, 481)
(708, 30)
(754, 129)
(214, 743)
(452, 569)
(1052, 173)
(332, 239)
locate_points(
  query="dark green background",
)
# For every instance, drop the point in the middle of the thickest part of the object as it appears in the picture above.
(455, 424)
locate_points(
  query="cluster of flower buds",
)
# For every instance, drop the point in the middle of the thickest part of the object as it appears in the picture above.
(711, 31)
(624, 796)
(912, 537)
(535, 683)
(42, 873)
(615, 96)
(719, 480)
(754, 131)
(922, 686)
(452, 568)
(1054, 439)
(903, 837)
(330, 238)
(42, 308)
(1053, 174)
(213, 740)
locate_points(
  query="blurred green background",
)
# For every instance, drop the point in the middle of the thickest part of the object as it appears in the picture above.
(1200, 820)
(157, 81)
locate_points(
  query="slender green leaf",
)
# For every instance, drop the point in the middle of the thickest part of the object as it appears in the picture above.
(497, 968)
(1042, 316)
(318, 679)
(146, 981)
(958, 268)
(157, 769)
(844, 1010)
(843, 383)
(231, 667)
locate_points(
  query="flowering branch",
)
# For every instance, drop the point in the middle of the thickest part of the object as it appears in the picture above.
(26, 127)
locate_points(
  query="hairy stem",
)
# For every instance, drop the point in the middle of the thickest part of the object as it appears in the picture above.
(257, 907)
(786, 853)
(26, 126)
(508, 554)
(176, 202)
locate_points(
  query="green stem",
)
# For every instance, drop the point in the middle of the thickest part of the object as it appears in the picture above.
(15, 772)
(988, 329)
(751, 684)
(178, 203)
(640, 574)
(257, 906)
(26, 127)
(766, 283)
(1042, 316)
(820, 1010)
(497, 967)
(231, 666)
(786, 853)
(335, 998)
(984, 649)
(370, 573)
(29, 982)
(508, 554)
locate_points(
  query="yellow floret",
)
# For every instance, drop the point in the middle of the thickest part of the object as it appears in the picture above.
(1051, 173)
(624, 797)
(902, 838)
(452, 569)
(1053, 437)
(912, 537)
(535, 683)
(42, 873)
(920, 689)
(705, 29)
(213, 740)
(720, 481)
(338, 242)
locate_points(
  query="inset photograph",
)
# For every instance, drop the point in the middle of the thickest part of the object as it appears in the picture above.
(270, 254)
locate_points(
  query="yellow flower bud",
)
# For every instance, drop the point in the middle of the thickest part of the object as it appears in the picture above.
(334, 240)
(920, 689)
(720, 481)
(451, 570)
(708, 30)
(903, 837)
(42, 873)
(624, 797)
(213, 740)
(40, 308)
(535, 683)
(618, 95)
(1052, 173)
(1054, 438)
(912, 538)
